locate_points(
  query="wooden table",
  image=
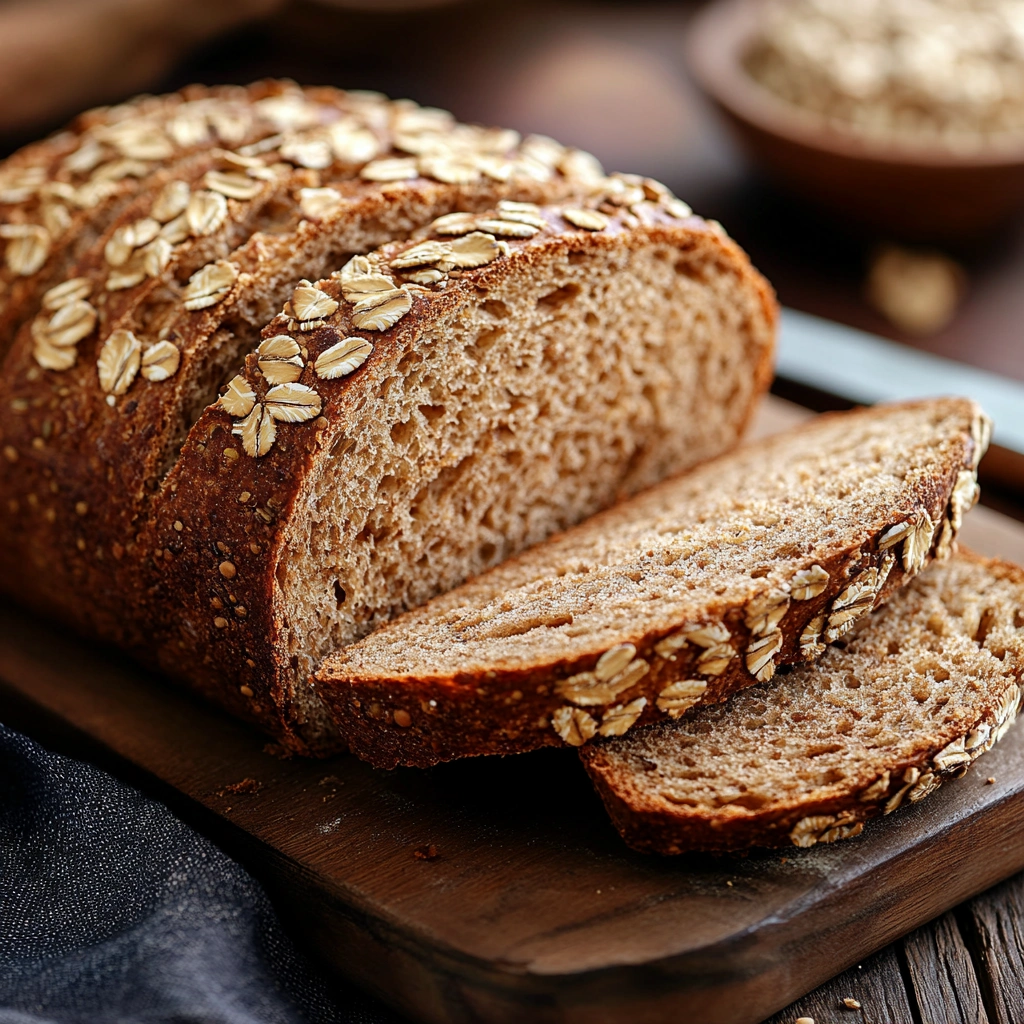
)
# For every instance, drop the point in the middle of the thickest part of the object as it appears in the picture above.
(608, 77)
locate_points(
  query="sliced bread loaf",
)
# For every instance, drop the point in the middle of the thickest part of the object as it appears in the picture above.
(407, 421)
(920, 689)
(683, 595)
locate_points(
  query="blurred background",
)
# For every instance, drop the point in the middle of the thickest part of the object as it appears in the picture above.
(619, 79)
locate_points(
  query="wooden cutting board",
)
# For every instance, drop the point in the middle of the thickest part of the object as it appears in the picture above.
(495, 890)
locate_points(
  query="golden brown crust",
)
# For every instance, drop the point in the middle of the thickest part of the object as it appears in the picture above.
(650, 824)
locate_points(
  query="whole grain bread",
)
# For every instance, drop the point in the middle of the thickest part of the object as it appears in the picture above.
(59, 196)
(910, 699)
(689, 592)
(518, 371)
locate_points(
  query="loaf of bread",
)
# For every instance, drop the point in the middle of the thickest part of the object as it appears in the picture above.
(688, 592)
(919, 690)
(288, 388)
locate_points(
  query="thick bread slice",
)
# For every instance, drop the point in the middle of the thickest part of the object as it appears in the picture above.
(683, 595)
(532, 365)
(923, 687)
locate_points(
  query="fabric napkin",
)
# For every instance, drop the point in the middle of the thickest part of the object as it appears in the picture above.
(114, 911)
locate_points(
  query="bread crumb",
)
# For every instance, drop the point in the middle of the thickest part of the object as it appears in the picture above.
(428, 851)
(851, 1004)
(246, 786)
(729, 884)
(278, 751)
(990, 780)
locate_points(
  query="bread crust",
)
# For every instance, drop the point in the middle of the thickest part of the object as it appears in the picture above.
(510, 709)
(649, 824)
(113, 545)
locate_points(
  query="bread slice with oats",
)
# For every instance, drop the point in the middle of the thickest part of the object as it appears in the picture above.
(681, 596)
(407, 421)
(911, 698)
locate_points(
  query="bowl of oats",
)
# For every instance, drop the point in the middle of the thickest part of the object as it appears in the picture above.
(900, 116)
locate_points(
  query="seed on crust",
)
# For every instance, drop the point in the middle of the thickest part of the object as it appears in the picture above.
(450, 169)
(475, 250)
(280, 359)
(910, 777)
(680, 696)
(760, 654)
(454, 224)
(981, 435)
(342, 358)
(208, 285)
(160, 361)
(523, 213)
(585, 690)
(953, 758)
(894, 534)
(232, 184)
(128, 276)
(383, 310)
(119, 361)
(806, 831)
(27, 249)
(313, 153)
(319, 203)
(589, 220)
(391, 169)
(714, 660)
(618, 720)
(292, 403)
(963, 498)
(205, 213)
(574, 725)
(808, 583)
(311, 303)
(877, 789)
(925, 786)
(421, 255)
(70, 324)
(70, 291)
(918, 543)
(51, 358)
(613, 661)
(239, 399)
(811, 645)
(175, 231)
(764, 612)
(505, 228)
(170, 202)
(258, 431)
(353, 144)
(857, 599)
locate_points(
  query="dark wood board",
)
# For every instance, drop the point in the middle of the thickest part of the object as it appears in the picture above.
(532, 909)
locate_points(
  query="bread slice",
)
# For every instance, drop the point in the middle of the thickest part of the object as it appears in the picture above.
(681, 596)
(528, 366)
(911, 698)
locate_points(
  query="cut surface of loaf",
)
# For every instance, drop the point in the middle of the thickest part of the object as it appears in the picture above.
(407, 421)
(922, 688)
(688, 592)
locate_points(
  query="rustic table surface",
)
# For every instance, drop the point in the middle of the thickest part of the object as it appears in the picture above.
(609, 77)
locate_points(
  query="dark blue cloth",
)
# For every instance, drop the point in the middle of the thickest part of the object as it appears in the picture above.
(112, 910)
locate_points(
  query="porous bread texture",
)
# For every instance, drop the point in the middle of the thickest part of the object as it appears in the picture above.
(682, 595)
(512, 399)
(72, 524)
(576, 380)
(922, 688)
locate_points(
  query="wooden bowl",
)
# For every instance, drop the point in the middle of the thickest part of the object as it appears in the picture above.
(897, 189)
